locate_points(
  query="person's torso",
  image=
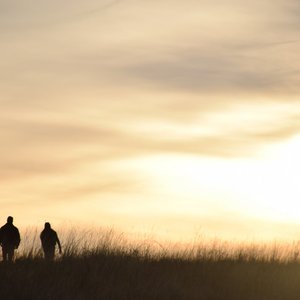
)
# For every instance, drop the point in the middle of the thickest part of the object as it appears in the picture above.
(9, 235)
(48, 238)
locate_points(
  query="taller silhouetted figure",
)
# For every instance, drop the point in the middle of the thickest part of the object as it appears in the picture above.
(49, 240)
(9, 239)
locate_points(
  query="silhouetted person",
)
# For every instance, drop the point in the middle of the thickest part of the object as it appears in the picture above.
(49, 240)
(9, 239)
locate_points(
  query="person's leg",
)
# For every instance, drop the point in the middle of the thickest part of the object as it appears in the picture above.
(10, 254)
(52, 253)
(46, 253)
(4, 253)
(49, 253)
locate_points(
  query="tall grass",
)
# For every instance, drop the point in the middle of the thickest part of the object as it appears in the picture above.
(106, 264)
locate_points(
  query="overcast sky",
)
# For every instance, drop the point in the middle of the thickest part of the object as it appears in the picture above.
(150, 113)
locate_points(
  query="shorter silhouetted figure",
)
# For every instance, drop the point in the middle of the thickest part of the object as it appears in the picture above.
(49, 240)
(9, 239)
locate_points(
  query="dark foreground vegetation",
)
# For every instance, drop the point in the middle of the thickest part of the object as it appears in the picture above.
(132, 273)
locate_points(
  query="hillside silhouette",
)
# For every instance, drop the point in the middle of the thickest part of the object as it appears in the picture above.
(111, 268)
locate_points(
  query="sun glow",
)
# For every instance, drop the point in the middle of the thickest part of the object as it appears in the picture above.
(133, 113)
(264, 187)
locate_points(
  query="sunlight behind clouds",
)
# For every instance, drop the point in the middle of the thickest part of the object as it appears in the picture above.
(261, 187)
(153, 112)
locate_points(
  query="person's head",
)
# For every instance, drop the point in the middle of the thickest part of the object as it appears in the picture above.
(47, 225)
(10, 220)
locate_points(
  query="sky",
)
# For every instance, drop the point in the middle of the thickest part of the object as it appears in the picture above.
(176, 118)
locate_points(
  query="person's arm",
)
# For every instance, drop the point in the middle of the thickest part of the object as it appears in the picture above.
(42, 239)
(18, 239)
(58, 243)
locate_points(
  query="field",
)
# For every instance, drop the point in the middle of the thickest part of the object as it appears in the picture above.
(108, 266)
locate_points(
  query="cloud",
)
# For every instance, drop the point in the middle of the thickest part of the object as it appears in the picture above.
(255, 51)
(223, 68)
(231, 47)
(32, 148)
(27, 15)
(88, 88)
(51, 147)
(111, 72)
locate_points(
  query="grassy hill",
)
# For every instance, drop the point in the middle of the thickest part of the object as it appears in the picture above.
(107, 272)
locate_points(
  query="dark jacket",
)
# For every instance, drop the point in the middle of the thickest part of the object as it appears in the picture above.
(49, 238)
(9, 236)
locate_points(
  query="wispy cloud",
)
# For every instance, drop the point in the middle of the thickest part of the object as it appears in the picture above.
(98, 82)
